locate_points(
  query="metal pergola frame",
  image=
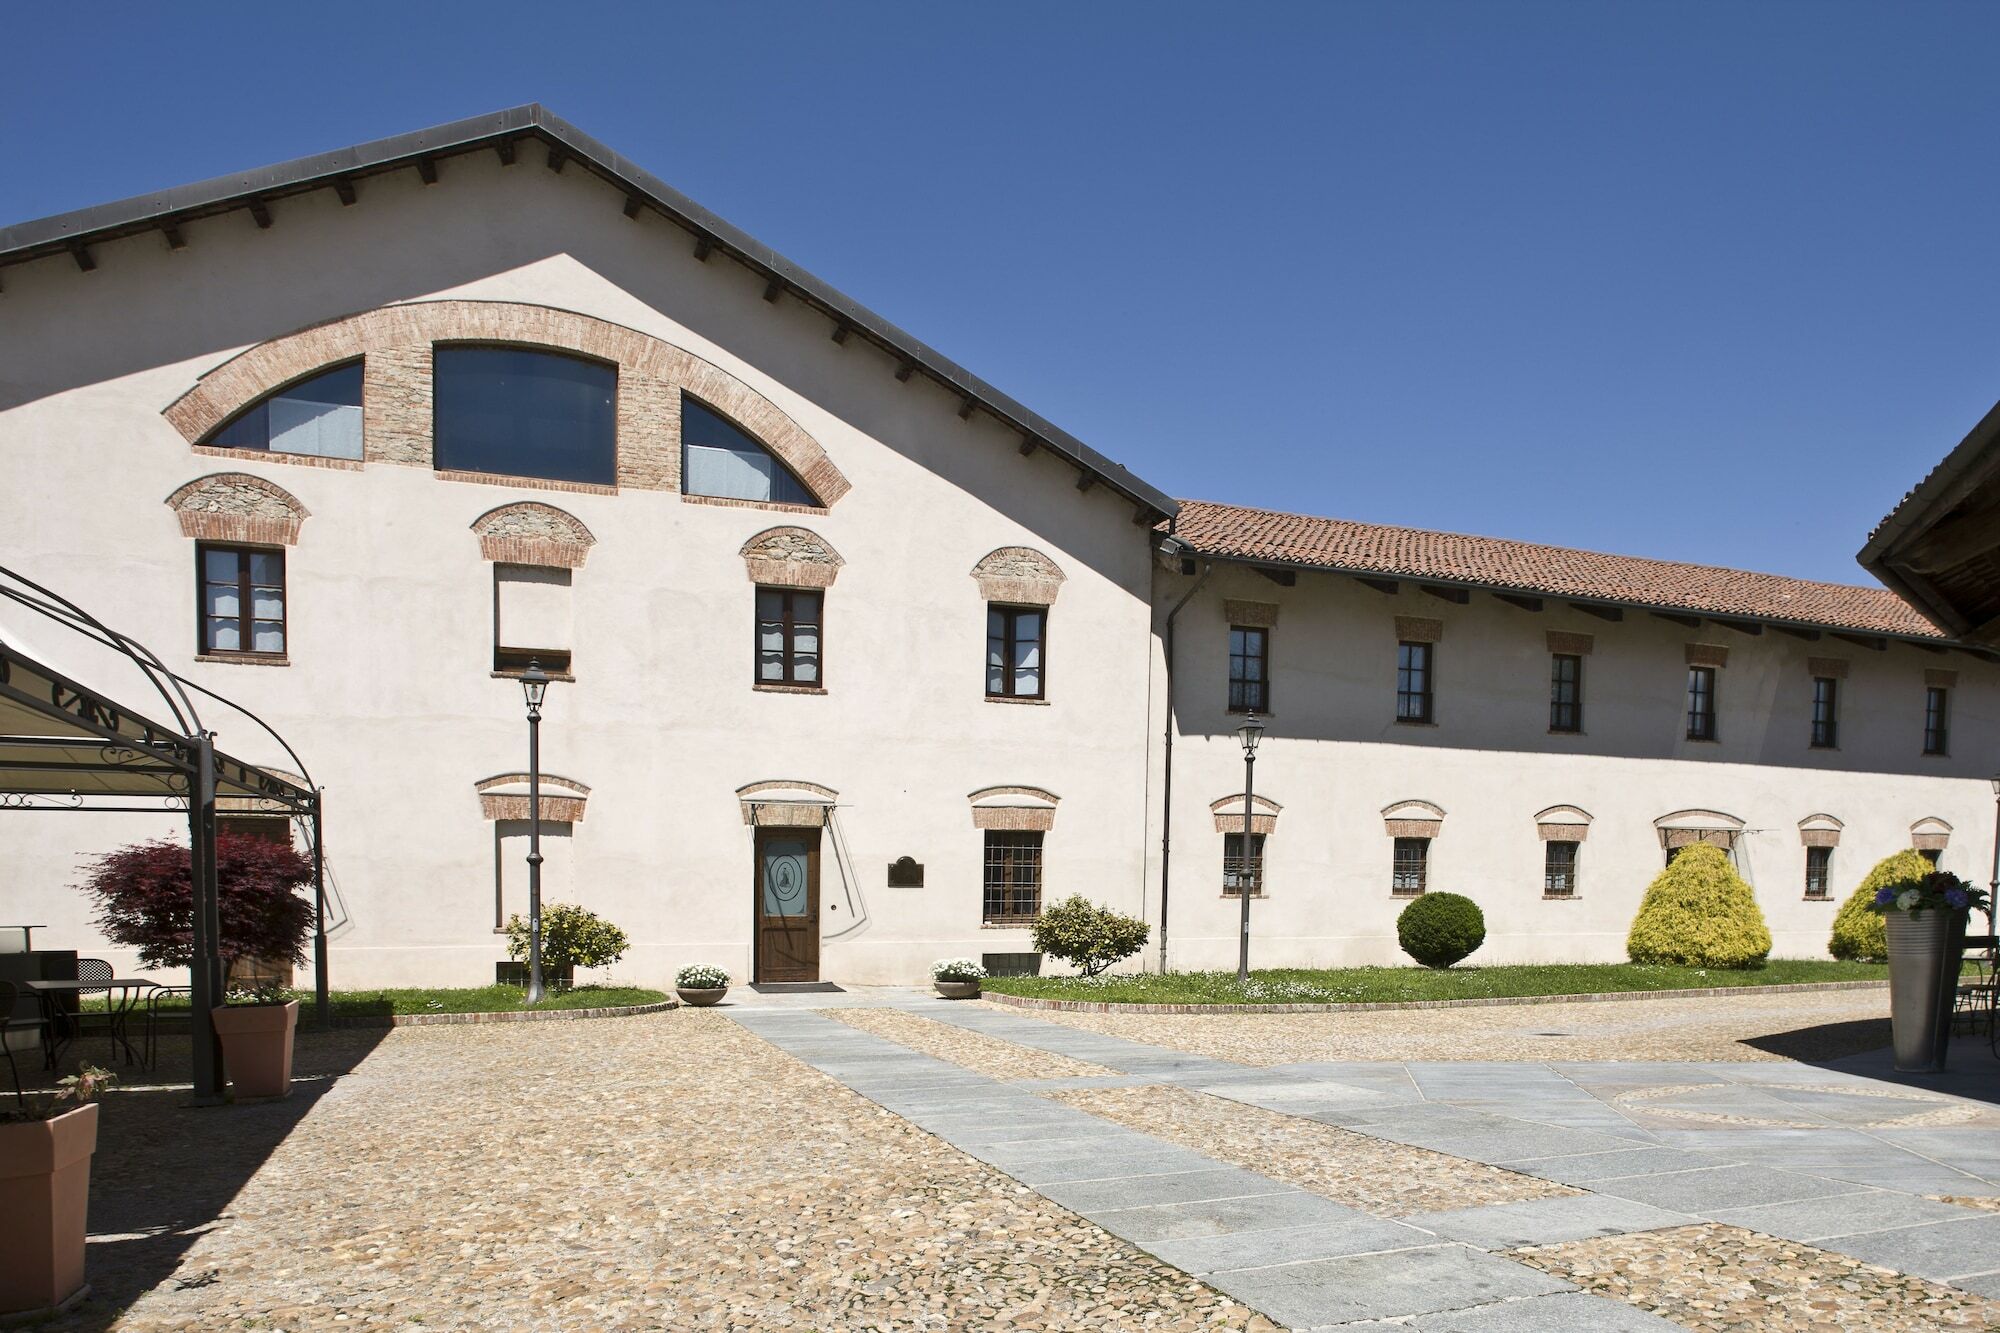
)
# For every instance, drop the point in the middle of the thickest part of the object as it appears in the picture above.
(67, 747)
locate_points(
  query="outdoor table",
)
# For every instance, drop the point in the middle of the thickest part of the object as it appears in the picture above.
(121, 996)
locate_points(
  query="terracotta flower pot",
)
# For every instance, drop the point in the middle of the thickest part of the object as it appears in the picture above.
(701, 996)
(957, 990)
(257, 1047)
(44, 1196)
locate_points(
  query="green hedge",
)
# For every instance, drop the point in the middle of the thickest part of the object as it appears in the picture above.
(1858, 932)
(1439, 929)
(1698, 912)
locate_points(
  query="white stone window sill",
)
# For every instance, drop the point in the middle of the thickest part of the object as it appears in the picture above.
(245, 659)
(765, 687)
(1016, 699)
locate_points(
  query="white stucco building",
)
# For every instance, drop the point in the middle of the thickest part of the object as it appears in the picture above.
(858, 659)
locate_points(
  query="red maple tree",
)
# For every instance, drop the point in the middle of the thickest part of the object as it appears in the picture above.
(145, 900)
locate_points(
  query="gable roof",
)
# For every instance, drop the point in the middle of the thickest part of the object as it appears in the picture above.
(506, 132)
(1266, 537)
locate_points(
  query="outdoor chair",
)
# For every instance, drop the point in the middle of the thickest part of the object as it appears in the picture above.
(19, 1034)
(151, 1044)
(1978, 994)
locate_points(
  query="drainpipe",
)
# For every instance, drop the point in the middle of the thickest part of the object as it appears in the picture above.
(1167, 778)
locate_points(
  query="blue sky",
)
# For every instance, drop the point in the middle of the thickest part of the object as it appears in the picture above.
(1712, 282)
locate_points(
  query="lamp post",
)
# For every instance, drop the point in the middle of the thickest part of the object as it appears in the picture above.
(534, 684)
(1249, 733)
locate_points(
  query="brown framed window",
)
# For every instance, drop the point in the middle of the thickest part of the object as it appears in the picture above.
(1559, 869)
(1819, 871)
(1234, 873)
(1016, 649)
(1565, 692)
(1410, 873)
(240, 600)
(1013, 877)
(1249, 669)
(1701, 703)
(790, 636)
(1825, 713)
(1937, 720)
(1415, 678)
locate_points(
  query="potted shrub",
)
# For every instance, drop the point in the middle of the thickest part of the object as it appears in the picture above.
(145, 901)
(957, 978)
(45, 1152)
(1439, 929)
(572, 937)
(701, 984)
(1086, 936)
(257, 1029)
(1925, 926)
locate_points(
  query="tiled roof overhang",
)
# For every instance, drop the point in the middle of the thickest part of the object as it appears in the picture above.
(1940, 548)
(506, 132)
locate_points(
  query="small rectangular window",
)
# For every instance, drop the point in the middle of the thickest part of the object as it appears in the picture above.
(1565, 692)
(1412, 867)
(1937, 720)
(1234, 873)
(1249, 675)
(531, 618)
(1701, 703)
(1414, 682)
(1819, 871)
(790, 637)
(1825, 715)
(241, 600)
(1014, 651)
(1013, 877)
(1559, 869)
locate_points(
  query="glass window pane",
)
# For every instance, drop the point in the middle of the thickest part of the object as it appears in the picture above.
(996, 623)
(219, 566)
(266, 567)
(269, 637)
(770, 666)
(225, 636)
(719, 459)
(805, 641)
(996, 680)
(1028, 626)
(1027, 682)
(1027, 656)
(267, 603)
(223, 601)
(519, 412)
(805, 608)
(770, 638)
(770, 604)
(806, 671)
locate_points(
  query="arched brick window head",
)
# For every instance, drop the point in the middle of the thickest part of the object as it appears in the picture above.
(533, 534)
(237, 507)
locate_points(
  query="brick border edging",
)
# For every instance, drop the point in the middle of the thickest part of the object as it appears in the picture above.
(1376, 1006)
(504, 1016)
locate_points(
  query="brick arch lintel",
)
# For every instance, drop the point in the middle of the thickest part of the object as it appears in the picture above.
(531, 533)
(395, 344)
(238, 507)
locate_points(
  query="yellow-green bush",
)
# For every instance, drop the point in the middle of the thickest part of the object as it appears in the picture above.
(1858, 932)
(1698, 912)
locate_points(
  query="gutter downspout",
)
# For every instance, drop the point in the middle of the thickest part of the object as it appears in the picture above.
(1167, 778)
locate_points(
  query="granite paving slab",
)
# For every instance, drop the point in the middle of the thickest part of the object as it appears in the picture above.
(1703, 1192)
(1360, 1234)
(1381, 1285)
(1504, 1226)
(1219, 1217)
(1103, 1196)
(1569, 1312)
(1843, 1215)
(1937, 1250)
(1583, 1168)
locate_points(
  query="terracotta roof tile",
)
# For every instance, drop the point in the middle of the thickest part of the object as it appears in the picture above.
(1555, 571)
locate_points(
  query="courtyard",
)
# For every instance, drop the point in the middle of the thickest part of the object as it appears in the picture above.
(881, 1159)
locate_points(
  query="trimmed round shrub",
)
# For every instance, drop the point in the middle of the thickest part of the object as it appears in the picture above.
(1858, 932)
(1698, 912)
(1439, 929)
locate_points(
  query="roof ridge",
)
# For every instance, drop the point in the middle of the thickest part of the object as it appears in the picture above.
(1544, 546)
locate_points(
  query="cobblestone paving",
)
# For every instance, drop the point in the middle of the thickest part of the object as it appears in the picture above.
(973, 1050)
(1798, 1026)
(1722, 1279)
(1374, 1175)
(665, 1172)
(1985, 1201)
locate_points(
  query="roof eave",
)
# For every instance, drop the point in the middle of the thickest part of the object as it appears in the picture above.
(70, 233)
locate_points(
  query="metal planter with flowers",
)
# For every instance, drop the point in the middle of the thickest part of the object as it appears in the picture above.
(1925, 921)
(957, 978)
(701, 984)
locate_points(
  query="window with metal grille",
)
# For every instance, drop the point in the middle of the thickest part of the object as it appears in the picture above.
(1249, 681)
(1013, 876)
(1819, 871)
(1701, 704)
(240, 600)
(1414, 680)
(1825, 717)
(1559, 869)
(1565, 692)
(1412, 866)
(1931, 854)
(1937, 720)
(789, 637)
(1014, 651)
(1234, 873)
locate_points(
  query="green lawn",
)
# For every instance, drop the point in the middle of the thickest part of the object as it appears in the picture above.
(440, 1000)
(1353, 985)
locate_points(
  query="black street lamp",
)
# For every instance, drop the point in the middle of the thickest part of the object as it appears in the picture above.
(534, 684)
(1250, 732)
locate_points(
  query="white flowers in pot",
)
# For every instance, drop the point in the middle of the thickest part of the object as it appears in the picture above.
(957, 969)
(701, 976)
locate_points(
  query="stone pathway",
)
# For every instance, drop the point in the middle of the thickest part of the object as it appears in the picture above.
(1722, 1196)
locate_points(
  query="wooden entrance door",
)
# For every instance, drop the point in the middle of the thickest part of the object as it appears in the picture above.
(787, 906)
